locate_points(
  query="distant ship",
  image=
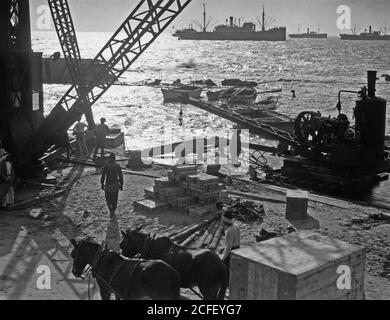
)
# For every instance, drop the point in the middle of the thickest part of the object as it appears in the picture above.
(231, 31)
(370, 35)
(309, 35)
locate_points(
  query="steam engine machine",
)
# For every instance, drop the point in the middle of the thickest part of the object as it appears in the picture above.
(337, 151)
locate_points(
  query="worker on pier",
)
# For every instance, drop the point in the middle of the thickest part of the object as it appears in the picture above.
(101, 132)
(112, 182)
(232, 238)
(3, 152)
(79, 131)
(6, 179)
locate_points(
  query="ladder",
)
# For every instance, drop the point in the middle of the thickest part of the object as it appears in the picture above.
(139, 30)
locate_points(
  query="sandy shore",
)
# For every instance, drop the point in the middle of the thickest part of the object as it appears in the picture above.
(40, 235)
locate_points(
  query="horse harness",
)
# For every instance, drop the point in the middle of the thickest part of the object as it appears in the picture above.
(91, 270)
(147, 247)
(146, 250)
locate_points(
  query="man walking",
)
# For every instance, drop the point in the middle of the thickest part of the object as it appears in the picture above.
(112, 182)
(79, 132)
(102, 130)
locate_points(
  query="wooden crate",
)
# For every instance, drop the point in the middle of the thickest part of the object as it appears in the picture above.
(298, 266)
(296, 205)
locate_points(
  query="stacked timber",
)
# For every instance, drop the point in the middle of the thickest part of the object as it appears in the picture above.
(206, 234)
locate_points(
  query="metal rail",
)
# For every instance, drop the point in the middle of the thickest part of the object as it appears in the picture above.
(145, 23)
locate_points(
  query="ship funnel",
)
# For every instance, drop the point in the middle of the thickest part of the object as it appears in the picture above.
(371, 76)
(231, 21)
(370, 29)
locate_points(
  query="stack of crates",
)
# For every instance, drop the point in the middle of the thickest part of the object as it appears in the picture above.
(204, 187)
(186, 189)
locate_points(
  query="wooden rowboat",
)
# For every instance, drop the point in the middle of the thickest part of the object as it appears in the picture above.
(174, 94)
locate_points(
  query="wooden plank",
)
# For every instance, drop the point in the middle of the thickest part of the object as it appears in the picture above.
(191, 239)
(256, 197)
(29, 202)
(206, 234)
(217, 238)
(174, 233)
(194, 228)
(210, 237)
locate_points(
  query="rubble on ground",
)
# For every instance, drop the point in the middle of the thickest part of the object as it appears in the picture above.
(246, 211)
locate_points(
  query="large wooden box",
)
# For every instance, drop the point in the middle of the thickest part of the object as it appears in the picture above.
(303, 265)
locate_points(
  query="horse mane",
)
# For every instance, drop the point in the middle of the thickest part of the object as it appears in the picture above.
(89, 240)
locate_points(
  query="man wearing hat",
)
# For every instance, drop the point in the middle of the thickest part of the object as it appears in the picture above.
(232, 237)
(101, 133)
(79, 132)
(112, 182)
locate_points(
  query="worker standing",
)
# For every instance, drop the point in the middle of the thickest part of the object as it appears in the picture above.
(102, 130)
(79, 131)
(6, 181)
(112, 182)
(232, 238)
(3, 152)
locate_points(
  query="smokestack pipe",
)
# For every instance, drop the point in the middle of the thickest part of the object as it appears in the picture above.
(231, 21)
(371, 76)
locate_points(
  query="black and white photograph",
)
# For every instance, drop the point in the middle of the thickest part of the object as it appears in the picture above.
(204, 153)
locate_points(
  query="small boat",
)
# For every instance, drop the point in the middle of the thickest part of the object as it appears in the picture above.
(174, 94)
(246, 95)
(214, 95)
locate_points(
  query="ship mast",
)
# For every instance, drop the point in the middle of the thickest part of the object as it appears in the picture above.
(204, 17)
(263, 24)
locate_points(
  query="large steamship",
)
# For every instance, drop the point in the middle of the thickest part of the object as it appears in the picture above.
(370, 35)
(231, 31)
(308, 35)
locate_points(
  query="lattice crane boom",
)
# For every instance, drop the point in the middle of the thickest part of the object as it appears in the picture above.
(139, 30)
(67, 37)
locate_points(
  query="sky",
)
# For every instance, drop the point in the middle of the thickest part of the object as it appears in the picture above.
(107, 15)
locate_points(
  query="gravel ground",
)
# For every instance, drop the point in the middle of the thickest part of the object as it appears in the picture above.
(40, 235)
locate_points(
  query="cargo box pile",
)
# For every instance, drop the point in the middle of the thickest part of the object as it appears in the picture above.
(184, 189)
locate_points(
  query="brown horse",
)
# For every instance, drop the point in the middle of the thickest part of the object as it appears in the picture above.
(128, 279)
(197, 267)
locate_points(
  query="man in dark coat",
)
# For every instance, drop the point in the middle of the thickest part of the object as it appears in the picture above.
(112, 182)
(102, 130)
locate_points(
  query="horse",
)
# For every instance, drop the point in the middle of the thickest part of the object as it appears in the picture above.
(197, 267)
(128, 279)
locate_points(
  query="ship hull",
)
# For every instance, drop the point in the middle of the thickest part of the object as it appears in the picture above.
(270, 35)
(358, 37)
(309, 36)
